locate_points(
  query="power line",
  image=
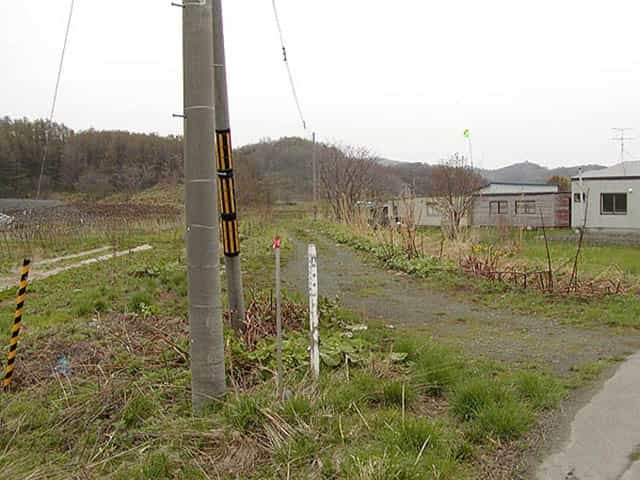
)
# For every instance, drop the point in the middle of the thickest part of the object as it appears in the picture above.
(286, 62)
(55, 99)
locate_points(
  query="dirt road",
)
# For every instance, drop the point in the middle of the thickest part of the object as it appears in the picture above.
(405, 302)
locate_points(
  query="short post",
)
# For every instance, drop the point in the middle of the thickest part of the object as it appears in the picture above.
(276, 248)
(313, 311)
(17, 322)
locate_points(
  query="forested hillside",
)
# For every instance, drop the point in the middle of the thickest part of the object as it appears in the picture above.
(102, 162)
(90, 161)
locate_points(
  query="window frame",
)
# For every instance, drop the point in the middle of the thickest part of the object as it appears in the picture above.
(432, 209)
(614, 211)
(526, 203)
(499, 203)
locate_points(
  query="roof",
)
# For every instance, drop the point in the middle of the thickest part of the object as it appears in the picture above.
(517, 188)
(531, 184)
(620, 170)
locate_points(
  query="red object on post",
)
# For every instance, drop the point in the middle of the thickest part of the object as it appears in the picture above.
(276, 242)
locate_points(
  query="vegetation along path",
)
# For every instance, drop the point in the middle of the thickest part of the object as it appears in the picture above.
(405, 302)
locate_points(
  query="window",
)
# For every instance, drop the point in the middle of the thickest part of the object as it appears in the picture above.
(579, 197)
(613, 204)
(525, 207)
(432, 210)
(500, 207)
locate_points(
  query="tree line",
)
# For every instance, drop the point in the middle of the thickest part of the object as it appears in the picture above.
(88, 161)
(99, 163)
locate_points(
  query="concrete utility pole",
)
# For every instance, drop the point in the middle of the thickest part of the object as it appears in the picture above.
(202, 233)
(314, 166)
(226, 184)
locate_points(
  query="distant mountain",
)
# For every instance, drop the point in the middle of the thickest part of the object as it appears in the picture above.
(527, 172)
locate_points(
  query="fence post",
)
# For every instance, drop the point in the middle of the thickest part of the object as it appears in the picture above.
(313, 311)
(276, 248)
(17, 322)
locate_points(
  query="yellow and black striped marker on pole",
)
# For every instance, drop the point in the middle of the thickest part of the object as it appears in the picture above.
(227, 194)
(17, 322)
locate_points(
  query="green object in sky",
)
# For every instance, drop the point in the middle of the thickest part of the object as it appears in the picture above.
(467, 133)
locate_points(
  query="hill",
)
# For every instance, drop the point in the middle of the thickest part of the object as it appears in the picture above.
(532, 172)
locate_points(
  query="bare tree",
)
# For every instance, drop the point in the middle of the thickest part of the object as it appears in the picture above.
(347, 176)
(454, 182)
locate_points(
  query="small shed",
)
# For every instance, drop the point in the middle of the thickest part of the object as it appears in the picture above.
(521, 205)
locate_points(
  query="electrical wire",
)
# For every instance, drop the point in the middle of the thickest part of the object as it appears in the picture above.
(286, 61)
(55, 99)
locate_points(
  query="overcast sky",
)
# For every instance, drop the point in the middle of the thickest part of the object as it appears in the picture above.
(543, 81)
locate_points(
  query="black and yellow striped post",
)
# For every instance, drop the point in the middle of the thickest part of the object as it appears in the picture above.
(227, 195)
(17, 323)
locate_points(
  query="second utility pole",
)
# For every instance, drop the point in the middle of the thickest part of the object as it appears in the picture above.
(226, 184)
(314, 166)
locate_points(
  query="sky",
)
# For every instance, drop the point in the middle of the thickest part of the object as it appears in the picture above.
(543, 81)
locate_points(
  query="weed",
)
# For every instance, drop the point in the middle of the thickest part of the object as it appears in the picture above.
(491, 408)
(362, 387)
(243, 412)
(436, 369)
(395, 392)
(474, 394)
(299, 449)
(541, 391)
(156, 467)
(506, 419)
(297, 408)
(137, 411)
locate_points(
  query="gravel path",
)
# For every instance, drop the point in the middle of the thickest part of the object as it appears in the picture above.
(406, 302)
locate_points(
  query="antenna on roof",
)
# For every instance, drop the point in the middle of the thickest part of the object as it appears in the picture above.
(620, 137)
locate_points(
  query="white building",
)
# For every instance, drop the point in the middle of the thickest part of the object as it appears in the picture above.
(607, 199)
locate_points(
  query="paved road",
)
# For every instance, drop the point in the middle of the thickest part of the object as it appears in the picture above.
(605, 434)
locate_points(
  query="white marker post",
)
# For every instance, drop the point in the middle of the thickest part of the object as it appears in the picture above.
(313, 311)
(279, 382)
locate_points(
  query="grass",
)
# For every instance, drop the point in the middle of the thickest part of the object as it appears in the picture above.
(388, 405)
